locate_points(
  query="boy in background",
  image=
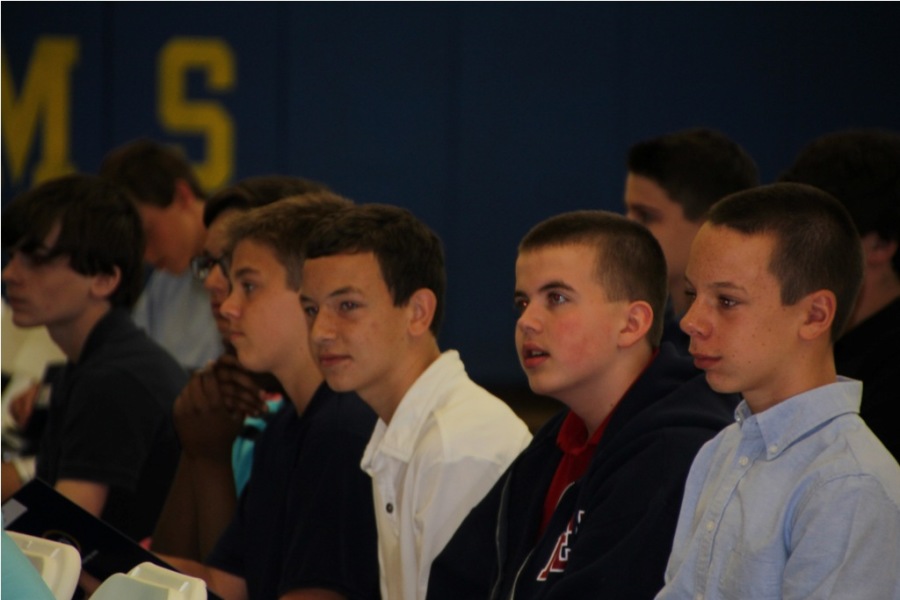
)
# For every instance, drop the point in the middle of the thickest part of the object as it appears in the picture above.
(859, 168)
(172, 307)
(672, 181)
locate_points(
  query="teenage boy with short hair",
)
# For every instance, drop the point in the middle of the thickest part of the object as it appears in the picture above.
(305, 525)
(672, 181)
(797, 498)
(373, 291)
(75, 247)
(589, 508)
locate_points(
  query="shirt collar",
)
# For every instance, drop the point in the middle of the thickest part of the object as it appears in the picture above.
(430, 391)
(786, 422)
(113, 320)
(572, 437)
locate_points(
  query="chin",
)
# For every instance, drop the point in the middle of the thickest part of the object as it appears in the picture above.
(338, 386)
(540, 389)
(721, 385)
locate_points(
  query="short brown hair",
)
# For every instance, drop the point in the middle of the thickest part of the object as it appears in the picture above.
(817, 245)
(630, 264)
(695, 167)
(148, 171)
(284, 226)
(409, 254)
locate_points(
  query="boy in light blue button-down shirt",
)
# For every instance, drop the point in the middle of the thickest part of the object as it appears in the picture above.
(797, 499)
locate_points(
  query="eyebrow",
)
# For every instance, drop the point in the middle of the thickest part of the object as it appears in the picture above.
(246, 271)
(348, 289)
(556, 285)
(719, 285)
(550, 285)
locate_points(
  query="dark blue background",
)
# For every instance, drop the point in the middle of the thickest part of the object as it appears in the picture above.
(482, 118)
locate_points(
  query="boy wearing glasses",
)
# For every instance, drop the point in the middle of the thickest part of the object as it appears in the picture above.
(75, 247)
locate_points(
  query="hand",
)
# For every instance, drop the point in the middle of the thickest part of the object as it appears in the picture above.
(22, 406)
(206, 426)
(240, 389)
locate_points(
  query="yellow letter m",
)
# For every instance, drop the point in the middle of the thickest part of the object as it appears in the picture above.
(45, 99)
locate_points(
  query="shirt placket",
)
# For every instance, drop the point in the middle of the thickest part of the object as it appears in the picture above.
(740, 463)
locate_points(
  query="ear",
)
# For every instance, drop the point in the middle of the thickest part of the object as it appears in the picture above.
(638, 320)
(103, 285)
(877, 250)
(818, 314)
(184, 195)
(421, 306)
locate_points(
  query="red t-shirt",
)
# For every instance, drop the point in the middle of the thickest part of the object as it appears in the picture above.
(578, 451)
(577, 454)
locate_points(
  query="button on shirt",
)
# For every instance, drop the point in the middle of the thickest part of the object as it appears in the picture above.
(798, 501)
(446, 445)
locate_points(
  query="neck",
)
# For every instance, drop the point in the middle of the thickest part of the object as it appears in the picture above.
(810, 369)
(676, 294)
(385, 399)
(71, 335)
(596, 402)
(199, 237)
(300, 383)
(880, 288)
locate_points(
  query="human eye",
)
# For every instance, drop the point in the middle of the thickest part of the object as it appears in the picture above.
(690, 294)
(520, 303)
(347, 306)
(642, 215)
(247, 286)
(310, 310)
(556, 298)
(727, 302)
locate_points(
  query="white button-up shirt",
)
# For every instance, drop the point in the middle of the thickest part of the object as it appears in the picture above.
(447, 444)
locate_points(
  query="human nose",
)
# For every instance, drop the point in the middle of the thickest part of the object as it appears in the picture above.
(230, 307)
(529, 321)
(216, 282)
(11, 270)
(694, 322)
(321, 327)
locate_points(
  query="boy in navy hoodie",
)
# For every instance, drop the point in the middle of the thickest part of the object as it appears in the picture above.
(589, 508)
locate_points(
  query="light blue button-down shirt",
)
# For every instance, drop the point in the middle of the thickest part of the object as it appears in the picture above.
(174, 311)
(798, 501)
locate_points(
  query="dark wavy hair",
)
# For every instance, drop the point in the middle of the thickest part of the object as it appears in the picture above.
(100, 230)
(409, 253)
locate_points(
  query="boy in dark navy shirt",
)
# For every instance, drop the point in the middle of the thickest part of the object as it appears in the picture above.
(75, 268)
(304, 526)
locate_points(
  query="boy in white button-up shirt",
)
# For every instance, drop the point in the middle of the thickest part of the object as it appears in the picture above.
(373, 292)
(797, 499)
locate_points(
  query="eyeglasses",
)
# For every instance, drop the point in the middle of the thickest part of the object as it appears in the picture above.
(203, 264)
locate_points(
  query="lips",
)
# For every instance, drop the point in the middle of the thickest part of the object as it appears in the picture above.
(704, 361)
(329, 361)
(16, 303)
(533, 355)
